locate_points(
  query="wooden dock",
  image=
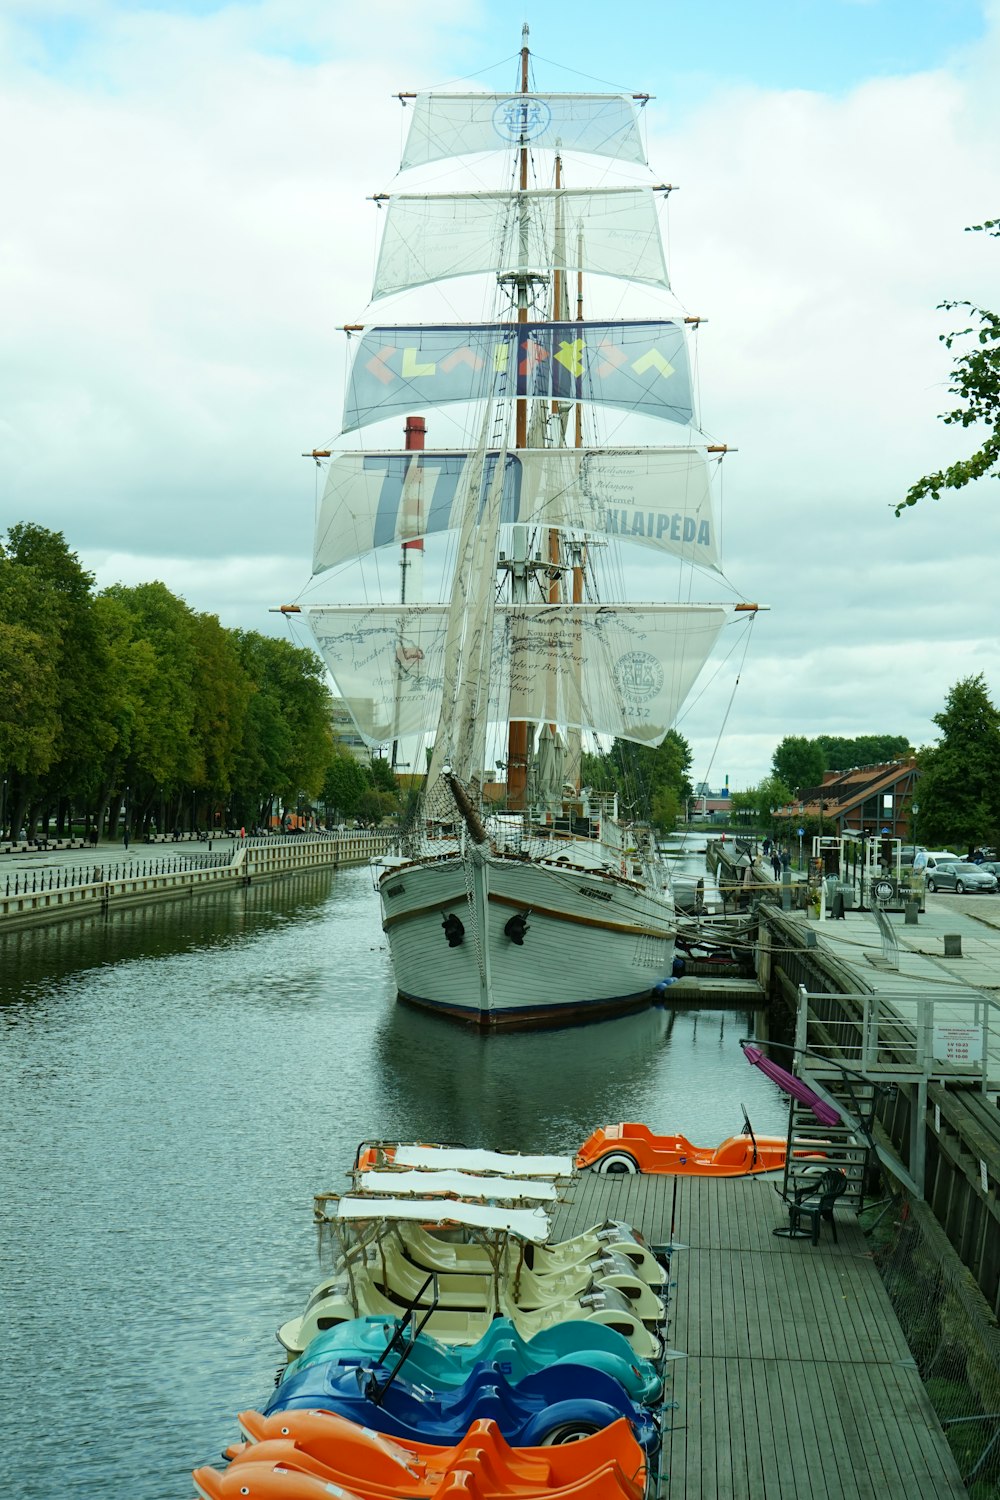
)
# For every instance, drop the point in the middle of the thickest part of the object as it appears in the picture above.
(788, 1366)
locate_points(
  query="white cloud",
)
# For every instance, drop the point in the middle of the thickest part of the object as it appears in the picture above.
(186, 227)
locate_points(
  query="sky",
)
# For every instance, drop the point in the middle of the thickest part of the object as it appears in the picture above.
(185, 228)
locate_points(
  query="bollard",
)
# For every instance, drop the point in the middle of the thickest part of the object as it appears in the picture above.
(953, 945)
(786, 890)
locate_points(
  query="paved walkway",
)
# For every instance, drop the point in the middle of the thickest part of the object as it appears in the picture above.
(955, 982)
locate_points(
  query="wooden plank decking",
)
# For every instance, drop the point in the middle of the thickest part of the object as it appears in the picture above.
(793, 1378)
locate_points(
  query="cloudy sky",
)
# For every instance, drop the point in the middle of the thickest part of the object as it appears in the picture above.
(185, 228)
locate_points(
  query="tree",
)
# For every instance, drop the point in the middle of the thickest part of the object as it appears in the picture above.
(756, 805)
(959, 781)
(344, 785)
(383, 776)
(42, 566)
(287, 738)
(651, 780)
(976, 382)
(842, 754)
(373, 806)
(799, 762)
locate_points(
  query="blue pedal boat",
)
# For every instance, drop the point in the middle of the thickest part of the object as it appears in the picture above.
(387, 1344)
(554, 1405)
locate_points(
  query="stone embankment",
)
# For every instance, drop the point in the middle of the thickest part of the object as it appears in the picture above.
(40, 883)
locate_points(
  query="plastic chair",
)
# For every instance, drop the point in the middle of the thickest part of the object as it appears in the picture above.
(814, 1202)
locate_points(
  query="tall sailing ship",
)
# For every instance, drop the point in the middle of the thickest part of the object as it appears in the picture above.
(545, 906)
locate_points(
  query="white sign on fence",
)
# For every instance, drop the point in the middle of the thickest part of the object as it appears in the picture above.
(958, 1044)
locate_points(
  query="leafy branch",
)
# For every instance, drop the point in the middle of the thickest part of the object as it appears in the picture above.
(976, 382)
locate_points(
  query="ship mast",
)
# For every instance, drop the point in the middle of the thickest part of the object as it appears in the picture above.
(517, 733)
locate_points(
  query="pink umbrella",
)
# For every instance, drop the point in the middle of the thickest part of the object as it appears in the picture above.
(824, 1112)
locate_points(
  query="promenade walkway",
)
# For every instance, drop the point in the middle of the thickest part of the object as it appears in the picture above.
(789, 1369)
(49, 884)
(922, 966)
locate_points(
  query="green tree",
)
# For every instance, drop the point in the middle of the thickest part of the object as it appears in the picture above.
(976, 382)
(222, 693)
(842, 754)
(598, 771)
(373, 806)
(288, 736)
(383, 777)
(162, 757)
(65, 617)
(652, 779)
(757, 805)
(798, 762)
(959, 784)
(344, 784)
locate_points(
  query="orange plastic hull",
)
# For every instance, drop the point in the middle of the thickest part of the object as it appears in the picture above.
(308, 1451)
(634, 1148)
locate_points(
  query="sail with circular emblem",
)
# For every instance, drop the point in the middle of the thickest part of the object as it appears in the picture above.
(527, 584)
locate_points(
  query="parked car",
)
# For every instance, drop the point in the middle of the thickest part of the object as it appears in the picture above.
(960, 876)
(993, 865)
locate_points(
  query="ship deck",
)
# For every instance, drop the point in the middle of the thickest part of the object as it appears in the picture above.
(788, 1366)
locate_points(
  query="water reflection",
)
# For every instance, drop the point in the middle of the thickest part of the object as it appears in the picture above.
(674, 1069)
(176, 1084)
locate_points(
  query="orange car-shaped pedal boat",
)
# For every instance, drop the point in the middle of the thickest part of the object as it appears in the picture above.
(634, 1148)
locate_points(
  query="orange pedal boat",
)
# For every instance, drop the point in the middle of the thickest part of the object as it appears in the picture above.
(630, 1148)
(304, 1453)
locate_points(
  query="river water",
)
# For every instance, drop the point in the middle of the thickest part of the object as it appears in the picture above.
(178, 1081)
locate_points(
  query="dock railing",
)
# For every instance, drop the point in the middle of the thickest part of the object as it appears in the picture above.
(934, 1036)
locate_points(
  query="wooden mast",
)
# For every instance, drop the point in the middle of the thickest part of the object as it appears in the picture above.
(517, 734)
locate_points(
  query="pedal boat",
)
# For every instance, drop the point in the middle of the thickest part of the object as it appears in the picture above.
(374, 1277)
(632, 1148)
(549, 1406)
(424, 1155)
(350, 1458)
(386, 1344)
(543, 1261)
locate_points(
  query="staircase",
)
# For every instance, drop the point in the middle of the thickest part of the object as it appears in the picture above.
(844, 1145)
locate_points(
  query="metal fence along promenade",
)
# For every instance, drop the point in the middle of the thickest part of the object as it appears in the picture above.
(43, 884)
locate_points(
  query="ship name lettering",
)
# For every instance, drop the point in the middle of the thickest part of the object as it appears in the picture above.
(657, 524)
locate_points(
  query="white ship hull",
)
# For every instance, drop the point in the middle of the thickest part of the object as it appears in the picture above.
(595, 942)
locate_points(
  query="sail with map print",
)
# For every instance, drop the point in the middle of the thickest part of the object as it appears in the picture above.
(515, 524)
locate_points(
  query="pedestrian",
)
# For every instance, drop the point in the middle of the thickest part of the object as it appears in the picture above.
(125, 838)
(776, 864)
(786, 860)
(766, 846)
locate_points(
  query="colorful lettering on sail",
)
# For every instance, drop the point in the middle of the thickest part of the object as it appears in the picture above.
(639, 367)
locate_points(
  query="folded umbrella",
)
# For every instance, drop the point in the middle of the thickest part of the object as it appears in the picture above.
(824, 1112)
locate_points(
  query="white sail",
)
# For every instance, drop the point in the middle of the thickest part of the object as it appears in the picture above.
(430, 239)
(461, 728)
(532, 901)
(447, 125)
(662, 498)
(620, 670)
